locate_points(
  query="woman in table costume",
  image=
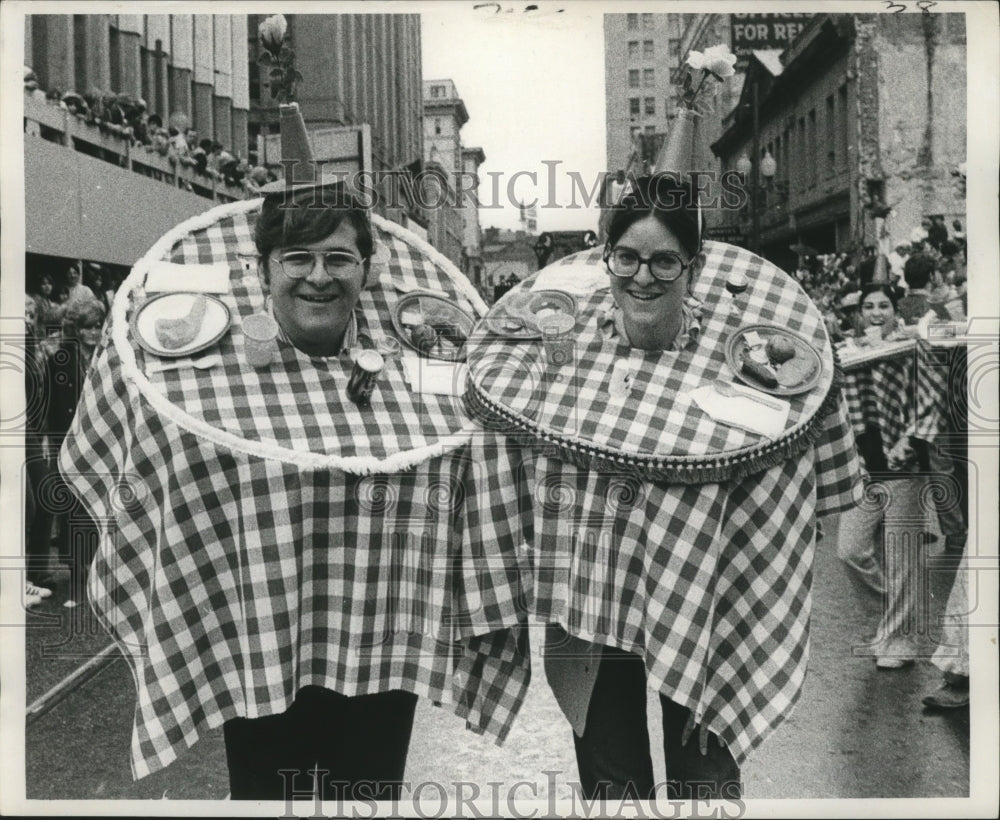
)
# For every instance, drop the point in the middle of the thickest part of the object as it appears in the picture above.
(896, 405)
(664, 548)
(277, 558)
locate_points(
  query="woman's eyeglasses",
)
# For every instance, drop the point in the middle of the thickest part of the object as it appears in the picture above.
(663, 265)
(299, 264)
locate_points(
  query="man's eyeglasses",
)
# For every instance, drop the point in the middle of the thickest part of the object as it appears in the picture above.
(299, 264)
(663, 265)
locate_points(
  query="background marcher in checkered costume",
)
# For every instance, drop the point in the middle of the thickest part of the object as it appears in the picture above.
(662, 547)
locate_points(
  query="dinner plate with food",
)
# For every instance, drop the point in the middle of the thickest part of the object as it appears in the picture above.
(774, 360)
(172, 325)
(432, 325)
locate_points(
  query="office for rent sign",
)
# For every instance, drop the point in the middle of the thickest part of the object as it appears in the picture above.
(761, 31)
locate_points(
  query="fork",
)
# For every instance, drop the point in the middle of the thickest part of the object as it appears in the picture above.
(729, 390)
(201, 363)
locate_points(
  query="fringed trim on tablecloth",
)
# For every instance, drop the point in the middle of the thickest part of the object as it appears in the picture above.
(662, 469)
(303, 459)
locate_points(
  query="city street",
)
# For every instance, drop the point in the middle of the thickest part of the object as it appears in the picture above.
(857, 732)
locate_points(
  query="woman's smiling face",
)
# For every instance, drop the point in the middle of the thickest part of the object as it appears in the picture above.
(651, 308)
(876, 309)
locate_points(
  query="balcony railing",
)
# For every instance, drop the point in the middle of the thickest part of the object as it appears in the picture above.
(58, 125)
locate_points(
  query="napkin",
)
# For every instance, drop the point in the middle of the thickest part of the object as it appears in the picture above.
(578, 279)
(744, 410)
(167, 277)
(433, 375)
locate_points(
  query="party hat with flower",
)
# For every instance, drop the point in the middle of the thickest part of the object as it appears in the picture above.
(301, 169)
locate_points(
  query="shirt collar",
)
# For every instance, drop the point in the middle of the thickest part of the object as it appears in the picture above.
(611, 323)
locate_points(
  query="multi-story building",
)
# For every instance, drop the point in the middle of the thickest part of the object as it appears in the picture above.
(90, 193)
(641, 52)
(358, 69)
(472, 236)
(859, 110)
(507, 256)
(454, 216)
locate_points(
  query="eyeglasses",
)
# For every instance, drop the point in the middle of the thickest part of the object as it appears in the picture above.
(299, 264)
(663, 265)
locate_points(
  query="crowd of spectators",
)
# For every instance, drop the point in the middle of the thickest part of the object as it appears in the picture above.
(933, 262)
(63, 320)
(128, 119)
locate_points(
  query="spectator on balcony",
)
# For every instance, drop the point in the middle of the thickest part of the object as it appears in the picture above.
(98, 285)
(137, 118)
(177, 148)
(159, 137)
(200, 156)
(31, 85)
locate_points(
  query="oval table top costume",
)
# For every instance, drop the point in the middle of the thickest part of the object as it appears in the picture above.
(260, 532)
(656, 511)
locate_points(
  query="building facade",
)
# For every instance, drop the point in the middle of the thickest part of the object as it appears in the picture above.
(641, 53)
(358, 69)
(472, 235)
(192, 64)
(92, 194)
(858, 110)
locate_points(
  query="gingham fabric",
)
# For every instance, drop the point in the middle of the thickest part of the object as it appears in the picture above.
(231, 580)
(574, 406)
(710, 583)
(900, 395)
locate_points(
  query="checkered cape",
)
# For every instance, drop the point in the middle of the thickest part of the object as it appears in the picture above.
(710, 583)
(901, 395)
(255, 538)
(657, 432)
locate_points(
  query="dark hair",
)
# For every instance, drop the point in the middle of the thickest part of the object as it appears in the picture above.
(154, 119)
(303, 217)
(948, 248)
(918, 269)
(670, 198)
(878, 287)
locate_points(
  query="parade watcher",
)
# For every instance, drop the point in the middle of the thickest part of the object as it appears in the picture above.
(37, 516)
(640, 572)
(50, 311)
(921, 277)
(77, 536)
(76, 291)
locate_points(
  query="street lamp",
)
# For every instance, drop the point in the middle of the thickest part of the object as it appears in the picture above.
(766, 170)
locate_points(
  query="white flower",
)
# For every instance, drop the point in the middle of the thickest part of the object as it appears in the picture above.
(272, 31)
(720, 61)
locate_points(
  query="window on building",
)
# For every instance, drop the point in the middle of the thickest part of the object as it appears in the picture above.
(648, 80)
(633, 106)
(650, 106)
(813, 157)
(842, 140)
(647, 49)
(674, 51)
(633, 49)
(437, 124)
(831, 136)
(650, 129)
(647, 20)
(633, 78)
(633, 21)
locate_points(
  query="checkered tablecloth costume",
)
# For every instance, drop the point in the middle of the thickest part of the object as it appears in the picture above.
(902, 394)
(705, 573)
(261, 533)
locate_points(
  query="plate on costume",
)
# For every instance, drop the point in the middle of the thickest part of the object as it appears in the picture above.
(516, 315)
(214, 324)
(445, 326)
(752, 340)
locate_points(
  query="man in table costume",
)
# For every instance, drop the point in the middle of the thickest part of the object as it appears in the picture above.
(276, 557)
(665, 525)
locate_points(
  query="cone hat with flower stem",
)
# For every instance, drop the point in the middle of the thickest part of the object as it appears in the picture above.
(301, 169)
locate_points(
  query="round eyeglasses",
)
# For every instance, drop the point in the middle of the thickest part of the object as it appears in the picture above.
(299, 264)
(663, 265)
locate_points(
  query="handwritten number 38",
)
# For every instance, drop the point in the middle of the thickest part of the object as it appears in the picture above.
(924, 5)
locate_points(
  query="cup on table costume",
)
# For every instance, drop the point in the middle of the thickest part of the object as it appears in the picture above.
(260, 340)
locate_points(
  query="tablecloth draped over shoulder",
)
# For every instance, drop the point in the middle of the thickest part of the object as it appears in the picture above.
(709, 582)
(256, 536)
